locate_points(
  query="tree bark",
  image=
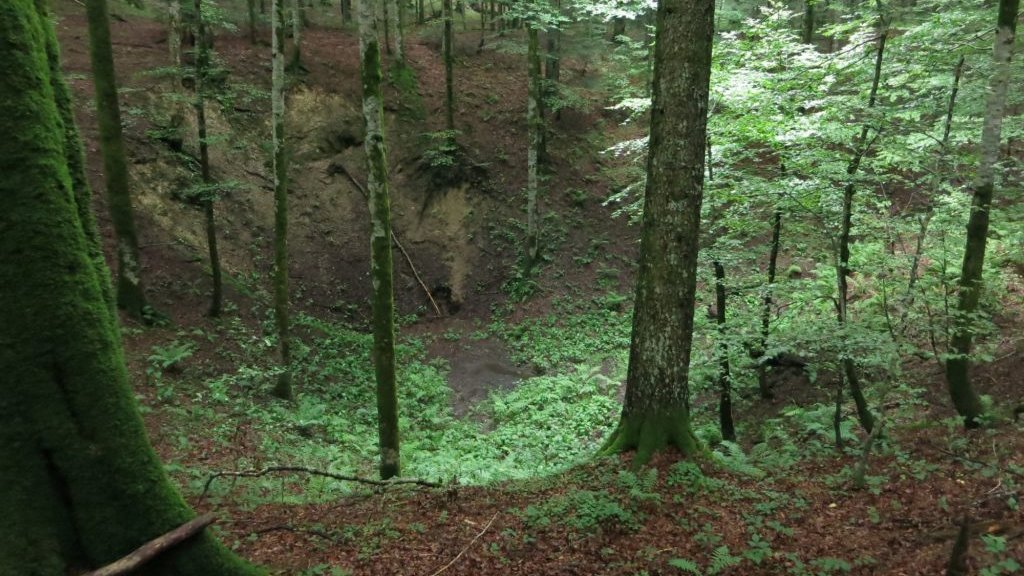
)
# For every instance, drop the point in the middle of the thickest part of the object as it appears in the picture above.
(174, 37)
(296, 59)
(807, 34)
(766, 308)
(965, 398)
(380, 243)
(82, 486)
(398, 21)
(283, 387)
(131, 295)
(656, 412)
(251, 5)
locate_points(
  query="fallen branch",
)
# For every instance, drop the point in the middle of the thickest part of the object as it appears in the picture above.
(394, 238)
(313, 472)
(468, 546)
(155, 547)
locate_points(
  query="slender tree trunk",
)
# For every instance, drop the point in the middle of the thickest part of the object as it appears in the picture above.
(251, 5)
(346, 10)
(283, 388)
(483, 27)
(766, 308)
(202, 59)
(421, 16)
(399, 24)
(380, 243)
(552, 61)
(535, 125)
(618, 29)
(965, 398)
(849, 367)
(724, 377)
(446, 55)
(386, 23)
(807, 35)
(296, 60)
(656, 412)
(130, 292)
(82, 486)
(174, 37)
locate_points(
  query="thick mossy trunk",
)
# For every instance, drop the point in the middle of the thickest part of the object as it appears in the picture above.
(656, 410)
(965, 399)
(283, 388)
(82, 486)
(535, 126)
(76, 167)
(380, 243)
(130, 292)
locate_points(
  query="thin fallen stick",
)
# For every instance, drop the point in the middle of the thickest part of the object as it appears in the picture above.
(468, 546)
(394, 238)
(155, 547)
(314, 472)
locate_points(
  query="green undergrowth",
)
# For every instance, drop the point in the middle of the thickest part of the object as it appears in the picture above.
(545, 424)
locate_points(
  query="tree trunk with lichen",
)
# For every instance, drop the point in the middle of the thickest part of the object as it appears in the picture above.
(535, 127)
(130, 291)
(656, 413)
(965, 398)
(380, 242)
(82, 486)
(283, 388)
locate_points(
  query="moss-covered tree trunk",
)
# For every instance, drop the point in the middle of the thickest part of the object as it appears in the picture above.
(965, 398)
(656, 413)
(449, 61)
(535, 126)
(725, 420)
(82, 487)
(130, 292)
(202, 66)
(847, 364)
(283, 388)
(380, 242)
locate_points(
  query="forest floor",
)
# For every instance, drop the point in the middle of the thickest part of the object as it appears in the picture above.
(791, 507)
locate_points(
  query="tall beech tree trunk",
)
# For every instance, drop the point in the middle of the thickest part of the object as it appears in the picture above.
(849, 367)
(656, 412)
(82, 486)
(202, 65)
(965, 398)
(724, 374)
(380, 242)
(446, 55)
(535, 127)
(283, 388)
(131, 295)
